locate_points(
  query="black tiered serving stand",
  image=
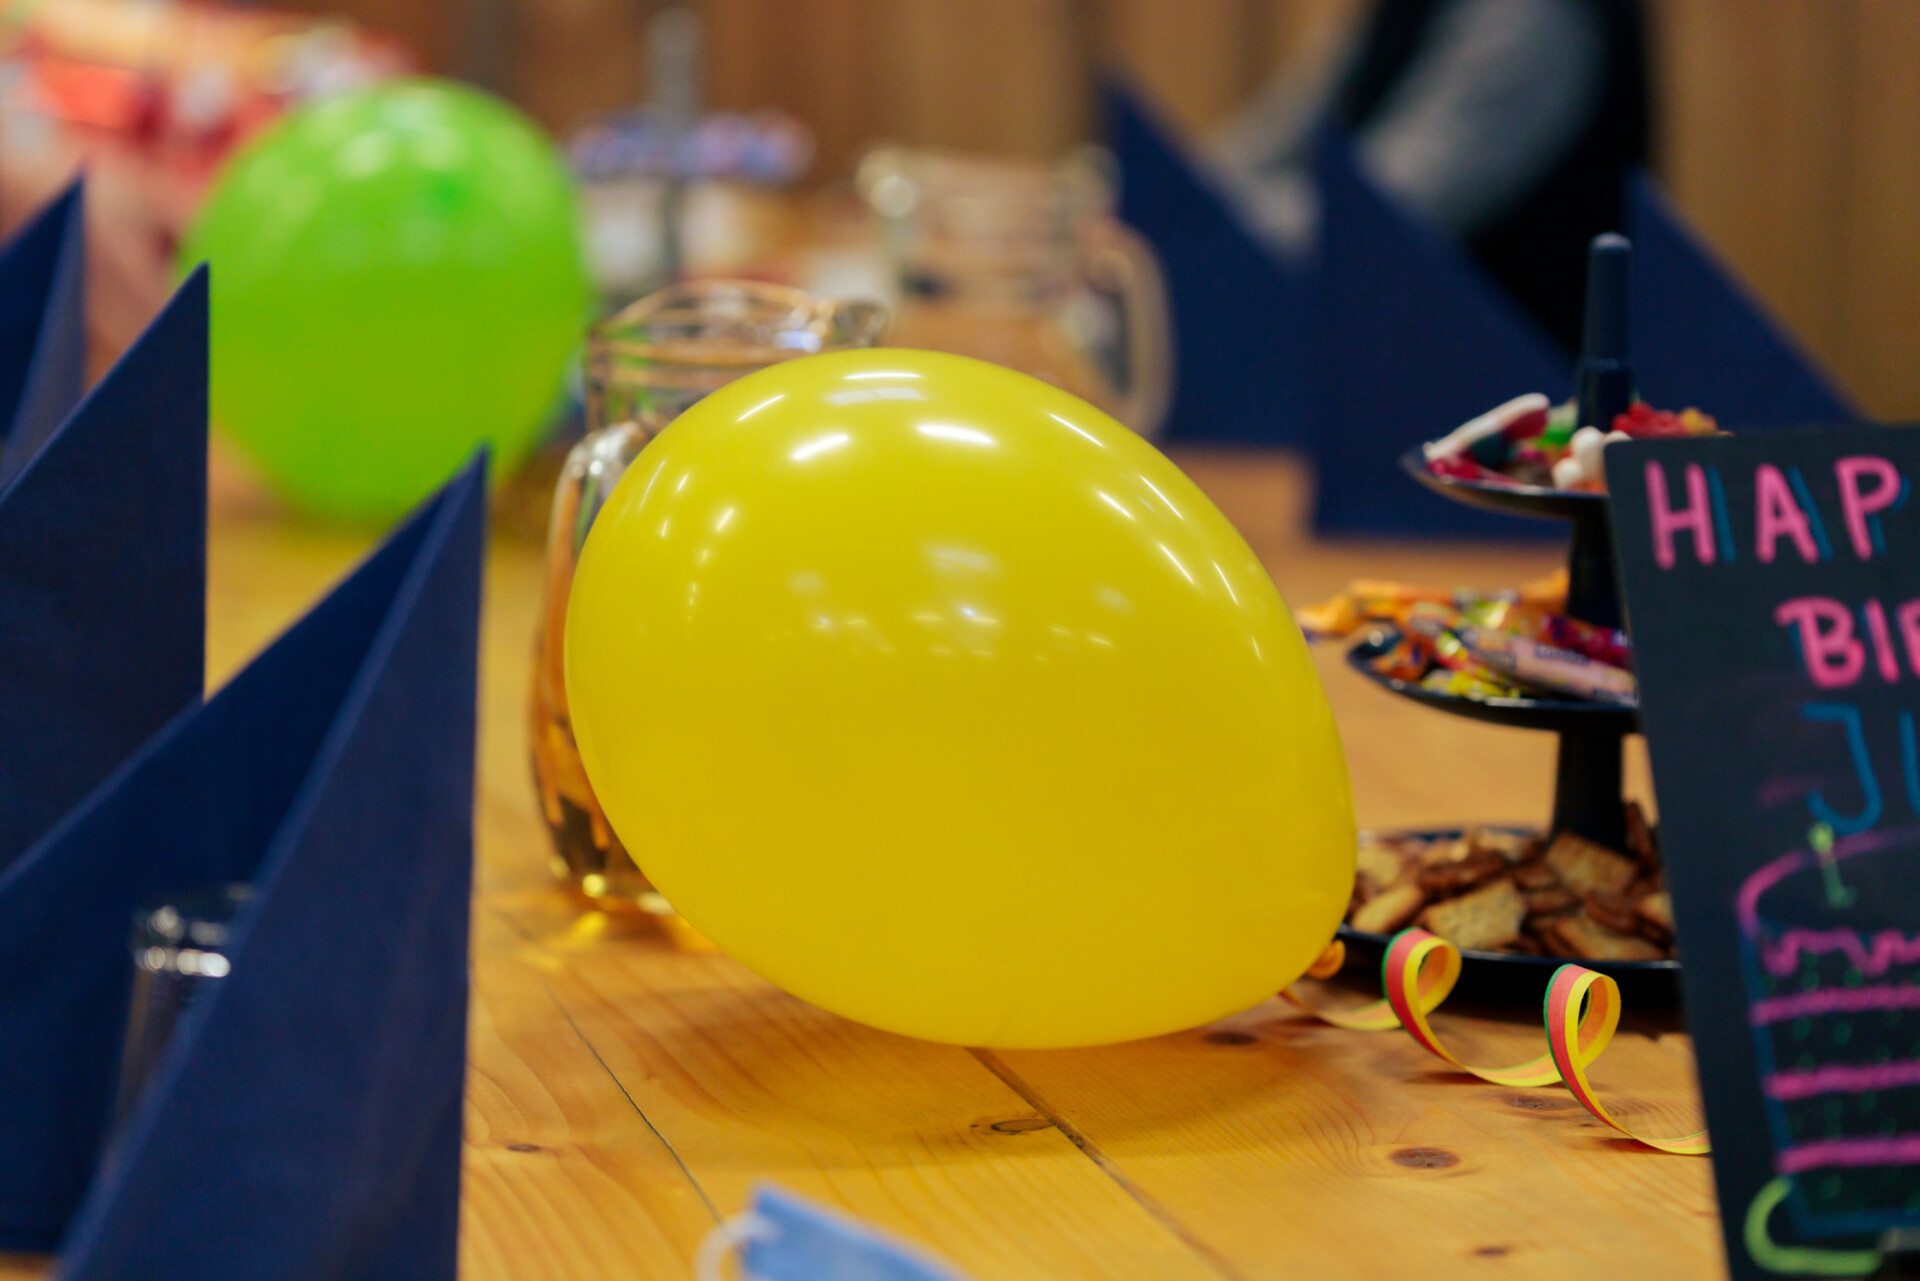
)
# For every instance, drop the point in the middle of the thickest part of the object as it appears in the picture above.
(1587, 779)
(1586, 792)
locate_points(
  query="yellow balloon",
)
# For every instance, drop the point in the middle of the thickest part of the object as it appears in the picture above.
(942, 700)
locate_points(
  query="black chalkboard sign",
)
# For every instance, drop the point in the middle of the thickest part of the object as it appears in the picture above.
(1772, 585)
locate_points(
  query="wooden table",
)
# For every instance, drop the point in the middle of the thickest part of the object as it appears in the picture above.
(627, 1089)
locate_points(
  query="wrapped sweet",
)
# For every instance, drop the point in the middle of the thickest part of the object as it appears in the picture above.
(1530, 443)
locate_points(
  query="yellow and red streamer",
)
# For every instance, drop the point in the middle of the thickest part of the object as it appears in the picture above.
(1582, 1012)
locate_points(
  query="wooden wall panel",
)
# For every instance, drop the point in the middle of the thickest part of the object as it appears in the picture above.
(1879, 227)
(994, 75)
(1302, 32)
(1754, 102)
(568, 60)
(433, 29)
(1196, 60)
(832, 63)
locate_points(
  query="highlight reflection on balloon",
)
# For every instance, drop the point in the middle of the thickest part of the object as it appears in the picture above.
(942, 700)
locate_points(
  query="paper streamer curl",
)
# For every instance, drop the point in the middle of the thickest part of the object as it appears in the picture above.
(1582, 1012)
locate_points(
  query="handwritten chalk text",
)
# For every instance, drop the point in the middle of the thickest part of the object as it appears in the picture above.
(1787, 524)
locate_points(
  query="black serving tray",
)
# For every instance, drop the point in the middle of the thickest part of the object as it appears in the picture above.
(1516, 500)
(1506, 978)
(1555, 715)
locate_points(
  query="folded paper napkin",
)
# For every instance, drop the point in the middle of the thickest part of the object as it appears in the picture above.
(1238, 326)
(43, 331)
(1411, 341)
(305, 1119)
(102, 530)
(1699, 338)
(1392, 335)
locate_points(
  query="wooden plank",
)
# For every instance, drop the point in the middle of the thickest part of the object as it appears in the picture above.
(563, 1177)
(747, 1084)
(1295, 1149)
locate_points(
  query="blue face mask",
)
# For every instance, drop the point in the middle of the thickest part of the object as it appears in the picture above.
(784, 1238)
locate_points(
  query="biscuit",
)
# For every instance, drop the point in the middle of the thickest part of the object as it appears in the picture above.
(1487, 917)
(1585, 866)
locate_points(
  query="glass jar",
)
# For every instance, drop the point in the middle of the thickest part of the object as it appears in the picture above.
(1024, 264)
(645, 365)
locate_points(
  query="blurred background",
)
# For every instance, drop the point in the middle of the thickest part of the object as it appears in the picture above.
(1783, 128)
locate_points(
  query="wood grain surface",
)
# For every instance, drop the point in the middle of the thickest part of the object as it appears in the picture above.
(628, 1086)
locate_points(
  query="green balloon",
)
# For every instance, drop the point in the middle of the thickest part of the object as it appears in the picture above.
(397, 276)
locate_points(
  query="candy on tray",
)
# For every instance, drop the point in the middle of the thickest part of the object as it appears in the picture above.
(1547, 668)
(1409, 658)
(1466, 685)
(1601, 644)
(1506, 644)
(1528, 443)
(1371, 600)
(1521, 418)
(1493, 889)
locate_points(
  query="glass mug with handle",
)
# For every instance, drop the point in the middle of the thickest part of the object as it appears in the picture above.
(1024, 264)
(645, 365)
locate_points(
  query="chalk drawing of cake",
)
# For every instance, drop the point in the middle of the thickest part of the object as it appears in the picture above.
(1831, 952)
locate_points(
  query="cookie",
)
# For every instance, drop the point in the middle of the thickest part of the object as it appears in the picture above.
(1614, 910)
(1536, 876)
(1512, 847)
(1487, 917)
(1581, 937)
(1390, 909)
(1449, 878)
(1381, 863)
(1585, 866)
(1656, 910)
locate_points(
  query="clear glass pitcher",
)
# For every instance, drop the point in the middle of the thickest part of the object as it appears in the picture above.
(645, 366)
(1024, 264)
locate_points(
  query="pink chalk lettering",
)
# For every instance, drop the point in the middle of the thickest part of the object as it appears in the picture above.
(1883, 655)
(1696, 517)
(1856, 504)
(1908, 619)
(1777, 512)
(1834, 657)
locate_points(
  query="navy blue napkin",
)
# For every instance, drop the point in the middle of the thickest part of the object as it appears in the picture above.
(305, 1119)
(1700, 339)
(102, 545)
(43, 329)
(1238, 325)
(1410, 341)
